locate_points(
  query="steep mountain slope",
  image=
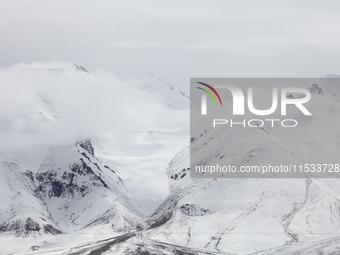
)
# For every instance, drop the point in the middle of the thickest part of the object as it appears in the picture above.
(243, 216)
(128, 123)
(80, 191)
(89, 160)
(88, 145)
(156, 87)
(21, 212)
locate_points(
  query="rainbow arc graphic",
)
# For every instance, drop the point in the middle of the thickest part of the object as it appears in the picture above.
(209, 93)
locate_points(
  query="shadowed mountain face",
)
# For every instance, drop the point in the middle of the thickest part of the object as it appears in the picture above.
(71, 190)
(73, 183)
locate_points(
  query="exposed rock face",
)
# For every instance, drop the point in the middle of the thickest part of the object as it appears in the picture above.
(65, 194)
(315, 89)
(86, 145)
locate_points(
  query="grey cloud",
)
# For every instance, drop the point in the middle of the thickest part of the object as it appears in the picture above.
(175, 39)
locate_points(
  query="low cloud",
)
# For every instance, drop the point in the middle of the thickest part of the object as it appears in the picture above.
(54, 103)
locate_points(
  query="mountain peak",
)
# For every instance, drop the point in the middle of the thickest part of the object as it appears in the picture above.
(163, 90)
(56, 67)
(79, 68)
(315, 89)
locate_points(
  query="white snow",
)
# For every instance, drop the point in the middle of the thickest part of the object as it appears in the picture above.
(137, 129)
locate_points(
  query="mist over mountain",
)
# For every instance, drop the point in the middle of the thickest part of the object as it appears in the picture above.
(94, 165)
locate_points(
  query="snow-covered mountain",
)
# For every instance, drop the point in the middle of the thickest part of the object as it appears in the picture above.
(92, 165)
(244, 216)
(167, 93)
(250, 216)
(21, 212)
(79, 149)
(79, 190)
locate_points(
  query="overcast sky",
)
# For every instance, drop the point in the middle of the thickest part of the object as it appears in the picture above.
(176, 40)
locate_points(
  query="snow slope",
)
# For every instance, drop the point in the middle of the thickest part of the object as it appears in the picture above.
(85, 154)
(21, 212)
(90, 158)
(245, 216)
